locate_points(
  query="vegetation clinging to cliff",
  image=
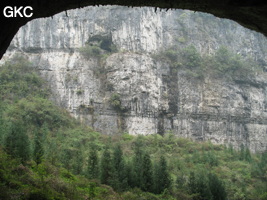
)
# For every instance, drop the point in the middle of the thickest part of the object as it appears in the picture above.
(223, 63)
(98, 46)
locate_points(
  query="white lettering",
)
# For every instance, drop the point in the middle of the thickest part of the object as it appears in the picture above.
(24, 11)
(17, 11)
(20, 11)
(8, 13)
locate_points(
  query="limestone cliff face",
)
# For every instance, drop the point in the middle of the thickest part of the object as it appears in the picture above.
(131, 91)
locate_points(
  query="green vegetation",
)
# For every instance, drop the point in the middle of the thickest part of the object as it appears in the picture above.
(104, 42)
(46, 154)
(98, 47)
(223, 63)
(115, 101)
(79, 92)
(89, 51)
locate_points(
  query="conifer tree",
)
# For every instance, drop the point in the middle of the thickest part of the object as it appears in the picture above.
(119, 174)
(147, 174)
(156, 179)
(2, 124)
(138, 163)
(162, 179)
(247, 155)
(38, 151)
(216, 187)
(203, 187)
(39, 142)
(263, 162)
(192, 184)
(17, 142)
(118, 158)
(242, 152)
(66, 158)
(106, 167)
(78, 161)
(206, 186)
(130, 174)
(165, 176)
(231, 149)
(93, 163)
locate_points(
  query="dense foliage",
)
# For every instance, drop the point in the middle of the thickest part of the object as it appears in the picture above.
(46, 154)
(98, 46)
(222, 64)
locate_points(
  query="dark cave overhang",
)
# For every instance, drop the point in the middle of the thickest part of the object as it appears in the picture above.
(249, 13)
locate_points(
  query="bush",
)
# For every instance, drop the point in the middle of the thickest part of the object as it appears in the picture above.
(115, 101)
(104, 42)
(98, 47)
(171, 55)
(190, 56)
(79, 92)
(89, 51)
(223, 62)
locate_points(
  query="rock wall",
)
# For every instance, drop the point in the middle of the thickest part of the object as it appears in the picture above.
(152, 97)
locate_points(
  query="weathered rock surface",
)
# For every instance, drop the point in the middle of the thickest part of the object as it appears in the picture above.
(153, 99)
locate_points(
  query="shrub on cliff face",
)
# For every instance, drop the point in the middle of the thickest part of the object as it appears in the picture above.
(226, 61)
(89, 51)
(115, 101)
(223, 63)
(98, 47)
(190, 57)
(233, 66)
(104, 42)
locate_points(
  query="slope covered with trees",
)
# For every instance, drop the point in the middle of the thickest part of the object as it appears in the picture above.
(46, 154)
